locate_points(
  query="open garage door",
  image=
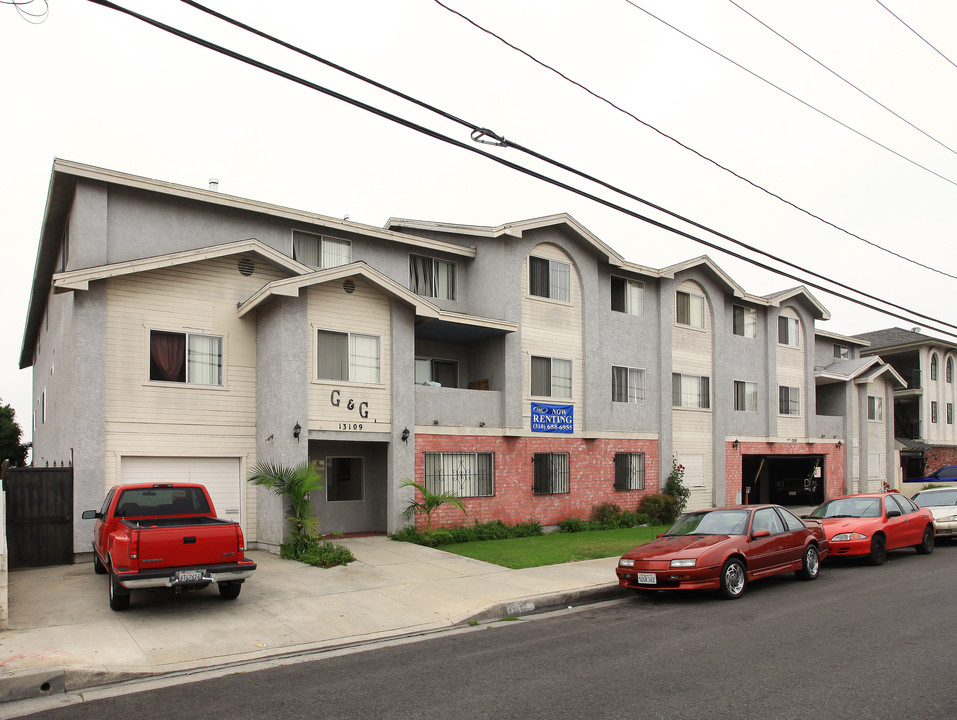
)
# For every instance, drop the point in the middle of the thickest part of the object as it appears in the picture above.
(221, 477)
(783, 479)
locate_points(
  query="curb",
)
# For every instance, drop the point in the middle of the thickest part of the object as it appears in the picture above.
(546, 603)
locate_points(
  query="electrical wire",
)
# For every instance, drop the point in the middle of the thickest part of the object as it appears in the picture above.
(32, 18)
(926, 41)
(704, 157)
(502, 161)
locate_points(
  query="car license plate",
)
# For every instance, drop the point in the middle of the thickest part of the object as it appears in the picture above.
(647, 579)
(188, 576)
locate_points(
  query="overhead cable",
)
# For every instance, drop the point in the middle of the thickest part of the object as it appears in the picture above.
(926, 41)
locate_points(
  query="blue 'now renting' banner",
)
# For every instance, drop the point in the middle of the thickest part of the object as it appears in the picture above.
(553, 418)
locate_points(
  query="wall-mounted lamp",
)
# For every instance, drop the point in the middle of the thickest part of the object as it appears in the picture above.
(296, 431)
(839, 444)
(269, 439)
(482, 424)
(405, 435)
(735, 444)
(435, 422)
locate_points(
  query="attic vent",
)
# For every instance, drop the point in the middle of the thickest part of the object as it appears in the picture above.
(349, 285)
(246, 266)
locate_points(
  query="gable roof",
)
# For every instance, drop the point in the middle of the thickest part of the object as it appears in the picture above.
(859, 370)
(900, 339)
(803, 293)
(703, 261)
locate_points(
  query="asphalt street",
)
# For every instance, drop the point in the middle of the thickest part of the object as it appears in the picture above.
(858, 642)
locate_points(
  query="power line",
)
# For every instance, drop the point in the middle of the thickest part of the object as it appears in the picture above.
(527, 171)
(690, 149)
(929, 44)
(842, 78)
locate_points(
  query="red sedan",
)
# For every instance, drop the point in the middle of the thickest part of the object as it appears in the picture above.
(724, 549)
(870, 524)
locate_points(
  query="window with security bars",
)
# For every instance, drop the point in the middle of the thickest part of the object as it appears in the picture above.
(629, 471)
(550, 472)
(462, 474)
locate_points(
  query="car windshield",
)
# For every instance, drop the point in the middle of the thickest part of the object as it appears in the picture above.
(715, 522)
(936, 498)
(849, 508)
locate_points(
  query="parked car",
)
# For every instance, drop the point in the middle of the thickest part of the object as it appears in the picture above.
(942, 503)
(945, 477)
(869, 524)
(166, 536)
(725, 549)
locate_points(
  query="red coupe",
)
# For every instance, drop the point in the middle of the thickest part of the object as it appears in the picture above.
(724, 549)
(870, 524)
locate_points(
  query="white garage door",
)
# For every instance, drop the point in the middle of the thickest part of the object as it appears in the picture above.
(219, 475)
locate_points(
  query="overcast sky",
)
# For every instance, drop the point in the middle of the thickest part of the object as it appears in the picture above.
(95, 86)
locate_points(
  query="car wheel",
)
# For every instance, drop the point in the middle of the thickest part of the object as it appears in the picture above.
(733, 578)
(119, 595)
(878, 551)
(926, 546)
(229, 591)
(98, 567)
(810, 564)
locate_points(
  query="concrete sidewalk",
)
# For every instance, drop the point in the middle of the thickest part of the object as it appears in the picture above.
(64, 637)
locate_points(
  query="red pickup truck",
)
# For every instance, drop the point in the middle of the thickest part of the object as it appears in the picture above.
(166, 535)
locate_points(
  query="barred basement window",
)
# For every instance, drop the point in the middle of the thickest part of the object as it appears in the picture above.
(629, 471)
(550, 473)
(462, 474)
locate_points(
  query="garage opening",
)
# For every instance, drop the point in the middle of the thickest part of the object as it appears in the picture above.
(789, 480)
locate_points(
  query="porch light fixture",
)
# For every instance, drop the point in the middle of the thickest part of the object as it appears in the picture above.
(735, 444)
(839, 444)
(405, 435)
(296, 431)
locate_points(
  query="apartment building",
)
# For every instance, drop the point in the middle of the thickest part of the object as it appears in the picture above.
(181, 333)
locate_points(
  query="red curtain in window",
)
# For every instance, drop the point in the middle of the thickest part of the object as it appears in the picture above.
(168, 356)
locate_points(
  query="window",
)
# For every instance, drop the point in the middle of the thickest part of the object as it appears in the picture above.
(950, 413)
(841, 352)
(689, 309)
(744, 321)
(550, 472)
(627, 385)
(789, 400)
(949, 370)
(933, 411)
(320, 251)
(767, 519)
(745, 396)
(690, 391)
(788, 331)
(43, 406)
(65, 248)
(186, 358)
(627, 296)
(347, 356)
(549, 278)
(430, 277)
(462, 474)
(875, 407)
(443, 372)
(551, 377)
(629, 471)
(933, 366)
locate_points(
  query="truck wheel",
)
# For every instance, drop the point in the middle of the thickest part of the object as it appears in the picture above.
(119, 595)
(229, 591)
(98, 567)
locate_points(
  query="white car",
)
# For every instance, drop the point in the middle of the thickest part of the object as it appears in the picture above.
(942, 502)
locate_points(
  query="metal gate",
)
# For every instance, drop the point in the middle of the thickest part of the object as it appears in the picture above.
(39, 516)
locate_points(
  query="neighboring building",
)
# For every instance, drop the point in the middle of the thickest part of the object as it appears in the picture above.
(924, 410)
(180, 333)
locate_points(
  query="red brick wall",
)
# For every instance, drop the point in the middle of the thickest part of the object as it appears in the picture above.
(833, 464)
(591, 478)
(938, 457)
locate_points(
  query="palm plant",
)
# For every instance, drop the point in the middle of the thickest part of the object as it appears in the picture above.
(294, 483)
(430, 502)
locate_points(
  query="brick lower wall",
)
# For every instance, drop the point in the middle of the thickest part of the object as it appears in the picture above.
(591, 478)
(938, 457)
(833, 464)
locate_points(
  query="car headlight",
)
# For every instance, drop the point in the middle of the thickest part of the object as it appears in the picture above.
(843, 537)
(949, 518)
(684, 562)
(626, 562)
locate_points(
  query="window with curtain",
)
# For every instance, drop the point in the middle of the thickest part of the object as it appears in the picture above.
(789, 400)
(744, 321)
(431, 277)
(551, 377)
(875, 407)
(690, 391)
(550, 473)
(745, 396)
(933, 366)
(627, 384)
(549, 278)
(689, 309)
(629, 471)
(462, 474)
(841, 352)
(320, 251)
(347, 356)
(789, 331)
(627, 296)
(190, 358)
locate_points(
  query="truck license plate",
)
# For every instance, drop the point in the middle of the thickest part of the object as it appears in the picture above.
(647, 579)
(188, 576)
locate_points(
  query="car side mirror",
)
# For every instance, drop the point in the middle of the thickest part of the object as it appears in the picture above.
(90, 515)
(760, 534)
(893, 513)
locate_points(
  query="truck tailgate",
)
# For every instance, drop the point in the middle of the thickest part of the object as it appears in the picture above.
(210, 543)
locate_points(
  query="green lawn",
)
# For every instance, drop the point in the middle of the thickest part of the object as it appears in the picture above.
(554, 548)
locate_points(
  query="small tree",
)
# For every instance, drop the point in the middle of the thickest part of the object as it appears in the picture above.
(676, 489)
(430, 502)
(294, 483)
(10, 433)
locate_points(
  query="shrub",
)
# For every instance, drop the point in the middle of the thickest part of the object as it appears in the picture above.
(659, 508)
(572, 525)
(677, 490)
(323, 554)
(605, 513)
(494, 530)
